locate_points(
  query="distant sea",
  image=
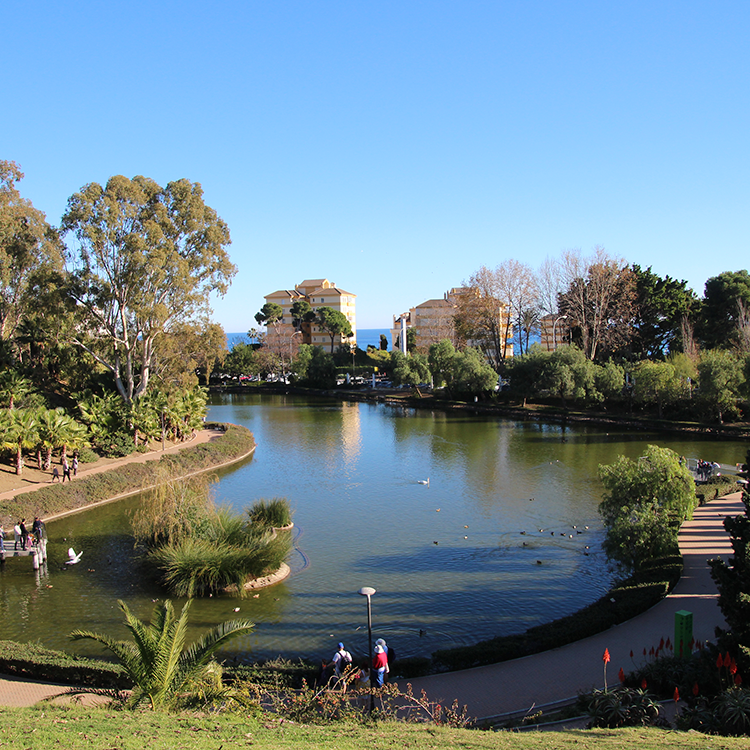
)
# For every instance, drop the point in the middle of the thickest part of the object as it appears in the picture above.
(365, 338)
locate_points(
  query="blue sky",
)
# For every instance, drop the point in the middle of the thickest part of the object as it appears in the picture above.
(395, 147)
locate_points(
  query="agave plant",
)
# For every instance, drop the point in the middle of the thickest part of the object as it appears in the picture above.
(162, 669)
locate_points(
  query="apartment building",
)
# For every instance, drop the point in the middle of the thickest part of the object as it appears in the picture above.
(433, 320)
(318, 293)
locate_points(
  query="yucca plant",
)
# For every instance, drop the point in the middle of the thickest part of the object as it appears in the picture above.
(163, 671)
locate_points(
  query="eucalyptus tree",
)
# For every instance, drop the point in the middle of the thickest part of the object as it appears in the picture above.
(147, 257)
(30, 251)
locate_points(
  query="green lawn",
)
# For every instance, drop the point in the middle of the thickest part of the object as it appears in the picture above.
(40, 728)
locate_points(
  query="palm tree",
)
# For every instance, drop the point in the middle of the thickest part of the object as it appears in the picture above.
(156, 659)
(13, 387)
(19, 431)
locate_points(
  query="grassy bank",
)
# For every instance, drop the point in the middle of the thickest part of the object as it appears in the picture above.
(128, 478)
(46, 727)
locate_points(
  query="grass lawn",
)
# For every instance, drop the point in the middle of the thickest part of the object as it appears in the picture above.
(40, 728)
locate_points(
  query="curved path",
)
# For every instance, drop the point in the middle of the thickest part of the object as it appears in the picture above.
(557, 676)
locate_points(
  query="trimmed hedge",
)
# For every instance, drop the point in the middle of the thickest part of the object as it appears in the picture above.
(716, 487)
(33, 661)
(621, 603)
(57, 498)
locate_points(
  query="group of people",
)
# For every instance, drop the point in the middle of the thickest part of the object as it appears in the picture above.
(341, 670)
(22, 535)
(706, 469)
(66, 469)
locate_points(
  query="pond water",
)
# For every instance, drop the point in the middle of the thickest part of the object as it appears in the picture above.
(505, 536)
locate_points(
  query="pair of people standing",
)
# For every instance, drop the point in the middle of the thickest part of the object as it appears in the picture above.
(382, 662)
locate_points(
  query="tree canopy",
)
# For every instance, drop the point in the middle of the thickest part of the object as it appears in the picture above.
(333, 322)
(147, 257)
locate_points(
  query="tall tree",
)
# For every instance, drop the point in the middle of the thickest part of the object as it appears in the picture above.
(333, 322)
(147, 257)
(30, 251)
(661, 305)
(725, 298)
(599, 301)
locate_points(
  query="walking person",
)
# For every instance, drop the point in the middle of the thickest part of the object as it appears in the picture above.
(390, 655)
(341, 660)
(24, 533)
(66, 470)
(75, 465)
(2, 539)
(37, 529)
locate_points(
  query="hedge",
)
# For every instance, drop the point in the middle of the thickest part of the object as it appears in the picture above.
(57, 498)
(621, 603)
(33, 661)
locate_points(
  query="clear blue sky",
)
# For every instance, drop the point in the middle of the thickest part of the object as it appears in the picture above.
(394, 147)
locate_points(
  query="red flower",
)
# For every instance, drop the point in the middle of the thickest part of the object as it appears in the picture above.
(661, 644)
(737, 679)
(631, 653)
(621, 675)
(727, 660)
(695, 689)
(605, 657)
(719, 661)
(669, 643)
(644, 651)
(676, 695)
(644, 684)
(733, 667)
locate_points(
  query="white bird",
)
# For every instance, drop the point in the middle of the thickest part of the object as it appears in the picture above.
(73, 557)
(424, 481)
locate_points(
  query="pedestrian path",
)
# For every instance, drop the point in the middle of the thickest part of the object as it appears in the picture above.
(557, 676)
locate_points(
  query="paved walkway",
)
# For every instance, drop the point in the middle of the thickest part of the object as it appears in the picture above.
(557, 676)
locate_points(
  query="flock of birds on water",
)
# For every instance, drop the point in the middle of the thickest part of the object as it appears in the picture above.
(426, 482)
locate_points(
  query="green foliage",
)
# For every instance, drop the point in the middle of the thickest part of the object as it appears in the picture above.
(644, 504)
(314, 367)
(131, 478)
(161, 668)
(333, 322)
(727, 714)
(472, 374)
(267, 514)
(31, 660)
(269, 314)
(148, 258)
(409, 369)
(719, 318)
(621, 707)
(721, 381)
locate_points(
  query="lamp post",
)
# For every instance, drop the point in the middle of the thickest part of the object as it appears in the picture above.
(554, 338)
(368, 591)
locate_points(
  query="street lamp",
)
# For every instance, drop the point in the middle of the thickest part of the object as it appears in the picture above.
(368, 591)
(554, 338)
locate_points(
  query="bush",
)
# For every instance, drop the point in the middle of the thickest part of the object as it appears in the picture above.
(33, 660)
(727, 714)
(621, 707)
(87, 456)
(274, 513)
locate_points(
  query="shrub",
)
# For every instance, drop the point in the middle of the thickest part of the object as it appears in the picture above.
(33, 660)
(728, 714)
(621, 707)
(87, 456)
(274, 513)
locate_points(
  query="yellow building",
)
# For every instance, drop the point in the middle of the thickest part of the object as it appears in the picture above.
(433, 321)
(318, 293)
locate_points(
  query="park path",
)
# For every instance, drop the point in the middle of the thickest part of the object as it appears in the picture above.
(84, 470)
(557, 676)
